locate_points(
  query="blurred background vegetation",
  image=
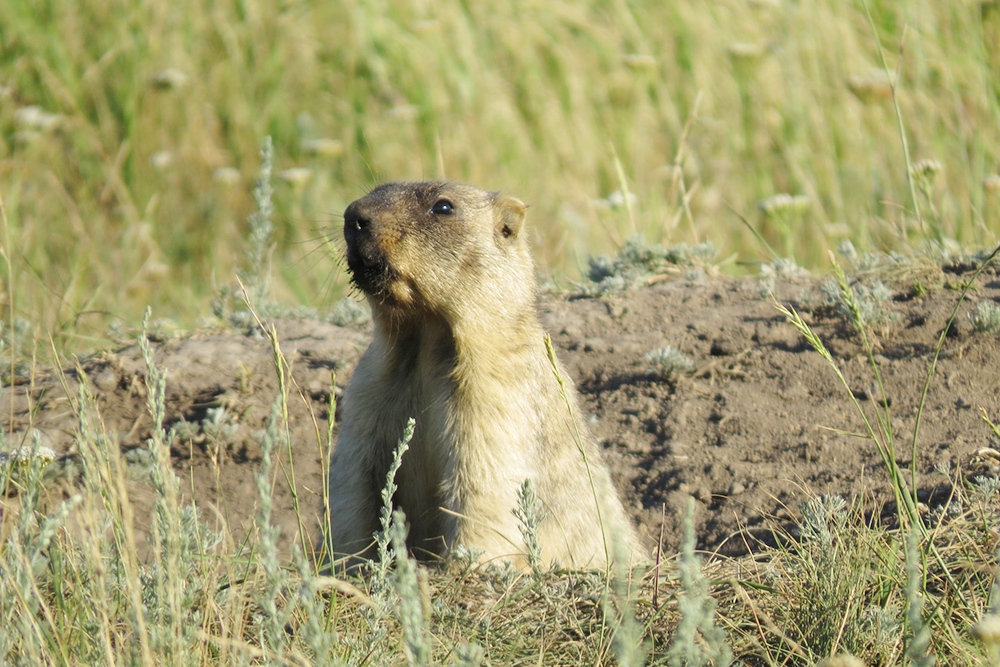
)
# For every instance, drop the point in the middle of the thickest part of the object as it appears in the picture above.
(131, 130)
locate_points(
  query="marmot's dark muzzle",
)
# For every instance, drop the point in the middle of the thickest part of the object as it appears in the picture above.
(368, 263)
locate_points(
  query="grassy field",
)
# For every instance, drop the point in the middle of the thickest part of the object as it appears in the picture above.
(130, 134)
(839, 588)
(130, 139)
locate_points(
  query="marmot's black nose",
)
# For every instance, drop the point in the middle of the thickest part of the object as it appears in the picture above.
(355, 224)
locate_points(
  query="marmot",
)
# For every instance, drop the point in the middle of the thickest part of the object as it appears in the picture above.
(458, 346)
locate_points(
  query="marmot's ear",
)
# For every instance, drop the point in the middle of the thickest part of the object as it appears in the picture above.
(509, 215)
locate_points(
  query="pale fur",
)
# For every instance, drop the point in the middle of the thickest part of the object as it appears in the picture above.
(458, 346)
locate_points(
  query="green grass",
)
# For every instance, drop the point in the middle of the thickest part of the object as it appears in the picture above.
(128, 185)
(890, 585)
(130, 136)
(75, 590)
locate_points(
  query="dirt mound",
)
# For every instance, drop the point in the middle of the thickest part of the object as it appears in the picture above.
(759, 423)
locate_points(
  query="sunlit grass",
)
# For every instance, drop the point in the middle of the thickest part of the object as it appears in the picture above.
(130, 133)
(130, 139)
(842, 581)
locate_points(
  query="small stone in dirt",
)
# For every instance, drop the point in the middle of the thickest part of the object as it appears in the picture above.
(699, 492)
(736, 489)
(677, 449)
(650, 408)
(106, 380)
(722, 348)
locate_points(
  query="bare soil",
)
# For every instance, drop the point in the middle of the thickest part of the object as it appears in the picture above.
(760, 425)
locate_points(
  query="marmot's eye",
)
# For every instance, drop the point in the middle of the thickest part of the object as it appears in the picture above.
(442, 207)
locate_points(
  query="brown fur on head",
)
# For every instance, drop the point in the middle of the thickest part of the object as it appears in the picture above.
(458, 346)
(411, 247)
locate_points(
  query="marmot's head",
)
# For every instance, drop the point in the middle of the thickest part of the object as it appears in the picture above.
(445, 248)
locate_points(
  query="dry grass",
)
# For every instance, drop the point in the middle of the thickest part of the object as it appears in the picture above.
(889, 584)
(129, 133)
